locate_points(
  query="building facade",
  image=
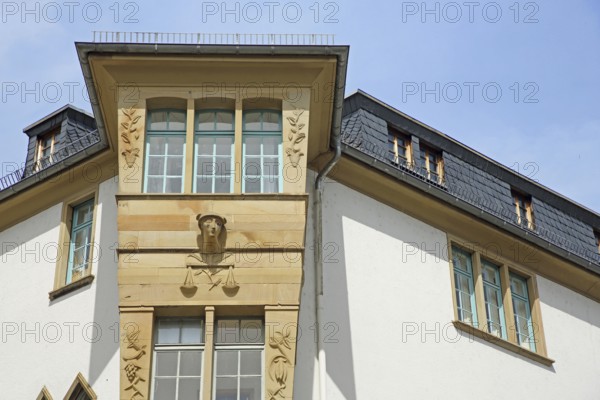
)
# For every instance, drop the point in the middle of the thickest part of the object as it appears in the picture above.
(227, 226)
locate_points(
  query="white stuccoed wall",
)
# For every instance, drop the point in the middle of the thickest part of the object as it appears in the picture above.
(75, 333)
(389, 308)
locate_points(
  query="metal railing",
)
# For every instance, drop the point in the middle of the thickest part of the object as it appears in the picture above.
(57, 156)
(274, 39)
(449, 184)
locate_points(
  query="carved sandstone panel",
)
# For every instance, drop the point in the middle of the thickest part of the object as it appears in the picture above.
(275, 223)
(295, 142)
(131, 147)
(280, 351)
(136, 353)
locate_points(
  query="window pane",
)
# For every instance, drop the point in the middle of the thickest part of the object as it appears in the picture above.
(252, 185)
(252, 145)
(204, 184)
(166, 363)
(173, 185)
(222, 185)
(83, 213)
(156, 165)
(81, 238)
(157, 145)
(490, 273)
(251, 331)
(176, 145)
(227, 362)
(252, 121)
(175, 166)
(155, 185)
(158, 121)
(461, 260)
(205, 145)
(228, 331)
(250, 362)
(223, 165)
(270, 166)
(250, 388)
(189, 388)
(205, 121)
(271, 185)
(191, 331)
(177, 121)
(271, 145)
(190, 363)
(271, 121)
(226, 389)
(518, 286)
(223, 145)
(224, 121)
(252, 166)
(164, 389)
(168, 331)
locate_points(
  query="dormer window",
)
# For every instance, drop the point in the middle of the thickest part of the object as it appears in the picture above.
(432, 164)
(597, 235)
(46, 148)
(400, 149)
(523, 210)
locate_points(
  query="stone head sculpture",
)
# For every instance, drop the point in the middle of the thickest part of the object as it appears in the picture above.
(212, 229)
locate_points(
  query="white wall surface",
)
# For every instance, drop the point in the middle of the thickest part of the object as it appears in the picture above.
(48, 343)
(389, 309)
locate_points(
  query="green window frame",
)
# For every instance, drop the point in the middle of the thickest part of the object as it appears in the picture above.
(80, 241)
(522, 311)
(164, 166)
(492, 293)
(214, 138)
(464, 286)
(262, 167)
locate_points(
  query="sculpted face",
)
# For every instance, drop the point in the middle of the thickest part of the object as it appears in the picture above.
(211, 227)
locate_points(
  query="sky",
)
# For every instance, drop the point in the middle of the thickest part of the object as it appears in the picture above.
(516, 81)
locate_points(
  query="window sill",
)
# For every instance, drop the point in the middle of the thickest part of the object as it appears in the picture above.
(71, 287)
(488, 337)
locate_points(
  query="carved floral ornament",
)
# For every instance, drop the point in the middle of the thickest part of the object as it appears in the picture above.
(211, 258)
(132, 355)
(130, 136)
(295, 137)
(279, 365)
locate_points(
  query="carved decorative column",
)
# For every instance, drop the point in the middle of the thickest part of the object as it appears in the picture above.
(136, 352)
(281, 330)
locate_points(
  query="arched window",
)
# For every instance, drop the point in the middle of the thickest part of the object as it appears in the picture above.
(261, 148)
(213, 151)
(165, 151)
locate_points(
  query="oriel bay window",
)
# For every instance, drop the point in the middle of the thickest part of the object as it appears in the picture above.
(237, 357)
(214, 152)
(165, 151)
(262, 154)
(497, 299)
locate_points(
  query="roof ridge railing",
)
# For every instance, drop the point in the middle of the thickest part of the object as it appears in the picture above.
(64, 152)
(273, 39)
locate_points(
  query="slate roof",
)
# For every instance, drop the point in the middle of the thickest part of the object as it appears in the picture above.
(471, 177)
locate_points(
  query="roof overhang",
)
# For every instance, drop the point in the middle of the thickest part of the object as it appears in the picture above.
(108, 67)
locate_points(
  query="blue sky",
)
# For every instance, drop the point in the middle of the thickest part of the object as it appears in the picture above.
(517, 81)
